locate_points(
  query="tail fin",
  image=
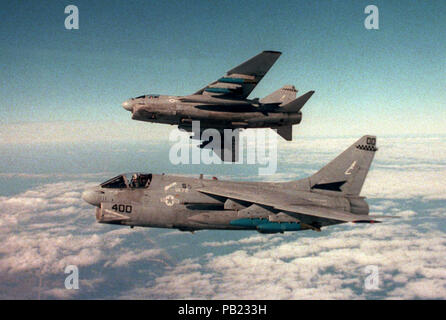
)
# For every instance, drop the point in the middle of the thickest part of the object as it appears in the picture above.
(297, 104)
(282, 96)
(347, 172)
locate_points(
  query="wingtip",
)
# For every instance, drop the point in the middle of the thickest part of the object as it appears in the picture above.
(305, 97)
(272, 51)
(310, 93)
(366, 221)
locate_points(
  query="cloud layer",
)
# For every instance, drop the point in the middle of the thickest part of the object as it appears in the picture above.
(410, 263)
(45, 228)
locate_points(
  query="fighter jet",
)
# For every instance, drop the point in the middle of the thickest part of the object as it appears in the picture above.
(330, 196)
(224, 104)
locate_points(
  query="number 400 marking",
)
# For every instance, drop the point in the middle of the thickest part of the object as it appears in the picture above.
(122, 208)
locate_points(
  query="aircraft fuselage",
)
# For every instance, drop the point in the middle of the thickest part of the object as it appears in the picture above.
(175, 202)
(211, 112)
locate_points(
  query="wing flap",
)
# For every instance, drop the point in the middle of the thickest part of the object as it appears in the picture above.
(308, 210)
(326, 213)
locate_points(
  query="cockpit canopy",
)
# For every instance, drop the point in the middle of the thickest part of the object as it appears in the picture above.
(150, 96)
(129, 180)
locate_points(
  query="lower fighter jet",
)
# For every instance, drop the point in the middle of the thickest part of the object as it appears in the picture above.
(224, 104)
(330, 196)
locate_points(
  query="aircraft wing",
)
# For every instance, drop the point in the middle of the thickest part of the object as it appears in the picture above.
(248, 194)
(241, 80)
(325, 213)
(226, 148)
(277, 202)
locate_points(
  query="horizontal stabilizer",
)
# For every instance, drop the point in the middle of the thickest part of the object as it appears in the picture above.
(285, 132)
(297, 104)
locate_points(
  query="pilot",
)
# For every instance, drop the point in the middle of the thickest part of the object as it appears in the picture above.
(135, 181)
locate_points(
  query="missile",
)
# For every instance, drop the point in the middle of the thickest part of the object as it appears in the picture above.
(272, 227)
(248, 222)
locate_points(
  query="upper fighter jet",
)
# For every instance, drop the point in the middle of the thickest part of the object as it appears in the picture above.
(224, 104)
(330, 196)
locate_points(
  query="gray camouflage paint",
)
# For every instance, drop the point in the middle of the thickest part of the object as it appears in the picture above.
(330, 196)
(223, 104)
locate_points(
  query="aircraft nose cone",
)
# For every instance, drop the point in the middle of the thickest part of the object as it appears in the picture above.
(91, 196)
(127, 105)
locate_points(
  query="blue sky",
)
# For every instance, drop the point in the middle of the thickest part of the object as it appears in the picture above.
(389, 80)
(61, 98)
